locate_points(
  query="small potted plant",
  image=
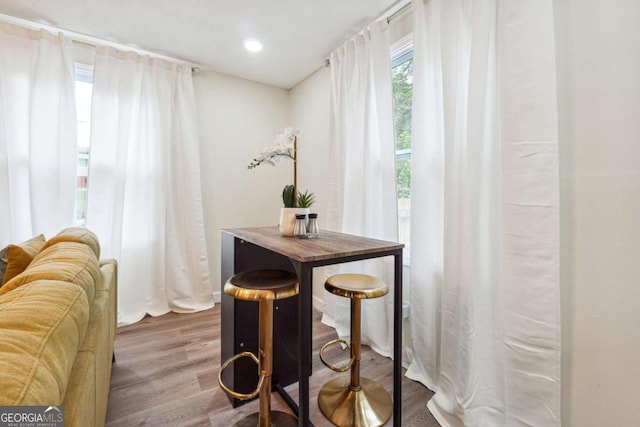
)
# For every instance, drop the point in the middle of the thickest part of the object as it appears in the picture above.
(306, 199)
(293, 206)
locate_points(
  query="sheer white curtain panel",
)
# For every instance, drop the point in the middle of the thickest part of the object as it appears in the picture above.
(144, 197)
(485, 306)
(362, 179)
(38, 148)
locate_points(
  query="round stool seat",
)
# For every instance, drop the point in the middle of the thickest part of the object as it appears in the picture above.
(262, 285)
(359, 286)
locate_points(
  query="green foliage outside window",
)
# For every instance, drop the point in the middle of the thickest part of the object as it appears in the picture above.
(402, 76)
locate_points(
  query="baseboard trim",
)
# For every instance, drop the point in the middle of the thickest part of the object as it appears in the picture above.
(318, 304)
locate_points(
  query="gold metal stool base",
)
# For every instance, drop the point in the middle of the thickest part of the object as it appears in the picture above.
(371, 406)
(263, 286)
(278, 419)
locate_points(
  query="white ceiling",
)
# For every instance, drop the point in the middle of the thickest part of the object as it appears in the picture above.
(297, 34)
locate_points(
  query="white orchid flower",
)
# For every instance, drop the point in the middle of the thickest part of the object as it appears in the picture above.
(281, 148)
(292, 132)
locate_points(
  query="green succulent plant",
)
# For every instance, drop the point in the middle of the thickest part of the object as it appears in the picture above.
(306, 199)
(288, 196)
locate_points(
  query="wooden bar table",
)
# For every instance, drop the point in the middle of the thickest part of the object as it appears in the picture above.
(264, 247)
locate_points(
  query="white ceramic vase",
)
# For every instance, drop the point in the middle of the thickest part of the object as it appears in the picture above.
(288, 219)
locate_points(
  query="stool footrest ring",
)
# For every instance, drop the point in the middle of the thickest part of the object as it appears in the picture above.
(235, 394)
(344, 368)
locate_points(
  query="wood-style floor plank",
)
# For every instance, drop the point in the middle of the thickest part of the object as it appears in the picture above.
(166, 369)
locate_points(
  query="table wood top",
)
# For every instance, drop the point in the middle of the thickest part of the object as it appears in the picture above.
(330, 245)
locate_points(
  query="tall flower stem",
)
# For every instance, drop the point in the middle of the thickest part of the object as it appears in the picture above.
(295, 171)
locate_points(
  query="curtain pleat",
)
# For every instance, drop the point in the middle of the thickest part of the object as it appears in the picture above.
(362, 179)
(484, 232)
(144, 195)
(38, 147)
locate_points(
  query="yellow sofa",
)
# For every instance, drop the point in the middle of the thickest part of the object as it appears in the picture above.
(57, 329)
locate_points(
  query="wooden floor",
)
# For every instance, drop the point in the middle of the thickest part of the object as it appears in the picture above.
(166, 368)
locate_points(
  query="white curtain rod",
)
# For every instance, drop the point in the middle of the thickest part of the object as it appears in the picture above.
(395, 11)
(92, 41)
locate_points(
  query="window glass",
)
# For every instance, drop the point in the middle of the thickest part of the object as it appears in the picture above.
(402, 75)
(84, 87)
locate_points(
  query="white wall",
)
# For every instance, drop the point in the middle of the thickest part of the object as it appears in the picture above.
(237, 119)
(599, 62)
(309, 111)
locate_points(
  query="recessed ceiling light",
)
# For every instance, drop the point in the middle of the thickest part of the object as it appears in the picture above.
(252, 45)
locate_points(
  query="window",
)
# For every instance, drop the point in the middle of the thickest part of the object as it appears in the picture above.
(402, 76)
(84, 87)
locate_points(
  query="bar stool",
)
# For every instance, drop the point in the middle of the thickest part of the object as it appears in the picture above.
(263, 286)
(354, 401)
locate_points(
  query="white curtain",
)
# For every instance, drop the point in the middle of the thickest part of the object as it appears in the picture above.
(144, 196)
(362, 179)
(485, 307)
(38, 149)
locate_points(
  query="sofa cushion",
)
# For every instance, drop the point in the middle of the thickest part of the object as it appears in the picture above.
(14, 259)
(79, 235)
(43, 324)
(65, 261)
(34, 245)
